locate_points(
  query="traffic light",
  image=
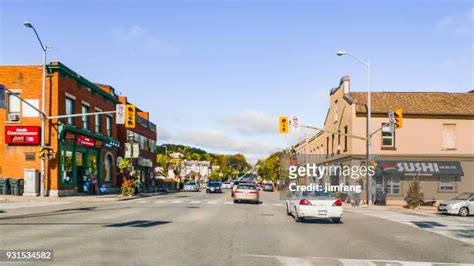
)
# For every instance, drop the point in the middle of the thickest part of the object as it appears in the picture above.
(130, 116)
(398, 117)
(283, 124)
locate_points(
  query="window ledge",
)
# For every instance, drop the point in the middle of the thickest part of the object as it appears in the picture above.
(388, 148)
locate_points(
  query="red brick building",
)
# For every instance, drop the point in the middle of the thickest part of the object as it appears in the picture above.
(84, 148)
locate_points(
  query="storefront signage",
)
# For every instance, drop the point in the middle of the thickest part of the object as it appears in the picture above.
(85, 141)
(422, 168)
(22, 135)
(69, 137)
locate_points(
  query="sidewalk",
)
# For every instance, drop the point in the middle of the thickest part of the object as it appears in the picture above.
(82, 198)
(398, 208)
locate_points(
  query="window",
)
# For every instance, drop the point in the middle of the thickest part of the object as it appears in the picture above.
(392, 185)
(143, 143)
(69, 110)
(345, 138)
(327, 146)
(335, 111)
(449, 137)
(332, 144)
(388, 137)
(109, 125)
(446, 183)
(13, 112)
(85, 118)
(339, 142)
(98, 122)
(151, 145)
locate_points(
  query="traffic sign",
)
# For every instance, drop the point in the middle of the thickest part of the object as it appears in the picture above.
(120, 116)
(295, 123)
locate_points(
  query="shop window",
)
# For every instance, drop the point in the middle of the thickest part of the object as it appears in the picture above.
(392, 185)
(67, 166)
(388, 138)
(447, 183)
(69, 110)
(449, 137)
(109, 126)
(93, 165)
(13, 107)
(108, 168)
(85, 118)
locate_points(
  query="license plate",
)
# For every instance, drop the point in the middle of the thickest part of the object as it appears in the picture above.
(322, 212)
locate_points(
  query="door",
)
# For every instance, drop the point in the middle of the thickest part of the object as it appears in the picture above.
(80, 171)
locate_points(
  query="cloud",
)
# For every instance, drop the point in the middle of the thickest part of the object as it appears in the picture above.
(458, 25)
(137, 37)
(251, 123)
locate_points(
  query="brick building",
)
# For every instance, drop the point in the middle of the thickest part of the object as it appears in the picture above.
(83, 148)
(144, 134)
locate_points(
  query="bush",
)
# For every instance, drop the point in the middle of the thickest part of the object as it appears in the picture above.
(414, 196)
(128, 187)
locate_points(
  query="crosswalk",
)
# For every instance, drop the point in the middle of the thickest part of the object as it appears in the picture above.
(459, 228)
(193, 202)
(27, 204)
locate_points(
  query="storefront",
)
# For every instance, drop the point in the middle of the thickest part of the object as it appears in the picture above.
(86, 161)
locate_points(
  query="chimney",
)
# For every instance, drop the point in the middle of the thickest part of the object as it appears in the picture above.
(346, 84)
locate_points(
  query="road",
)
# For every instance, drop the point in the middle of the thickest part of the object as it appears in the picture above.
(208, 229)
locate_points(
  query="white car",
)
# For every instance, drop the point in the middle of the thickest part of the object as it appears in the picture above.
(226, 185)
(314, 205)
(191, 186)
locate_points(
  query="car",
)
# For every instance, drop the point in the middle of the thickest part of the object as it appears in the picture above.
(191, 186)
(226, 185)
(462, 204)
(214, 186)
(268, 187)
(234, 187)
(314, 205)
(247, 192)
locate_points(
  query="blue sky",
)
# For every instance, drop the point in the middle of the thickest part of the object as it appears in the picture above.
(217, 74)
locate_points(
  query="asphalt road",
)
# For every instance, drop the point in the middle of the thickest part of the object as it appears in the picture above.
(208, 229)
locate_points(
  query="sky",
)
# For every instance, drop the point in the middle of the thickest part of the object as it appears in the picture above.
(218, 74)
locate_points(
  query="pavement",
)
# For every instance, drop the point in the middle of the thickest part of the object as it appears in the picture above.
(195, 228)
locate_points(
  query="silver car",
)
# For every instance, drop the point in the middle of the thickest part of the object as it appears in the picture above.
(191, 186)
(462, 204)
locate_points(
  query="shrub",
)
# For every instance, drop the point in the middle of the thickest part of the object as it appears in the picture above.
(128, 187)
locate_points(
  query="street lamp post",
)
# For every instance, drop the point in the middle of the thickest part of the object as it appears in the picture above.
(43, 104)
(369, 115)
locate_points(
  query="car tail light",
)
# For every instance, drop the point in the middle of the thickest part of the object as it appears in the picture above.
(238, 191)
(305, 202)
(253, 192)
(337, 203)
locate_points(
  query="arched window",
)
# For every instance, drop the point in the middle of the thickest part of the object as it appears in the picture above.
(108, 168)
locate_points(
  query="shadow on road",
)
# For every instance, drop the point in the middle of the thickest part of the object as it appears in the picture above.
(61, 212)
(320, 221)
(138, 223)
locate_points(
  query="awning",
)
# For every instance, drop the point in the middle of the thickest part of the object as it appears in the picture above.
(420, 168)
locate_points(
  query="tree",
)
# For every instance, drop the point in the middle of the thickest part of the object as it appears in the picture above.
(414, 196)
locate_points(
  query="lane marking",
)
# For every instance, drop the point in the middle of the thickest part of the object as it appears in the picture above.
(195, 202)
(212, 202)
(229, 202)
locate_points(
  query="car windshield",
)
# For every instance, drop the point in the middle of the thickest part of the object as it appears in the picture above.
(463, 196)
(246, 186)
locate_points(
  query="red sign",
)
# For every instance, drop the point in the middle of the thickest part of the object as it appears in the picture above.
(85, 141)
(22, 135)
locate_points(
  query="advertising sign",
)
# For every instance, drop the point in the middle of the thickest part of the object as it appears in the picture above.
(120, 116)
(22, 135)
(85, 141)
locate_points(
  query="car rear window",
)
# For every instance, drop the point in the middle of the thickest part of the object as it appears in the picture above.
(246, 186)
(317, 194)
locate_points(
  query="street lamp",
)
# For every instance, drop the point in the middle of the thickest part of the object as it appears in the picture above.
(43, 104)
(369, 115)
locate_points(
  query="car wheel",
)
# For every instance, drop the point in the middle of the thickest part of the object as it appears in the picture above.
(287, 210)
(463, 212)
(236, 201)
(297, 217)
(336, 220)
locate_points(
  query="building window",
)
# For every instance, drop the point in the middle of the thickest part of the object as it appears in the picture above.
(143, 143)
(392, 185)
(69, 110)
(98, 122)
(345, 138)
(388, 137)
(339, 142)
(446, 183)
(14, 109)
(449, 137)
(109, 125)
(335, 111)
(85, 118)
(151, 145)
(332, 144)
(327, 146)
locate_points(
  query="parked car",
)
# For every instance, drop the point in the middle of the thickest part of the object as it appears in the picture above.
(214, 187)
(191, 186)
(247, 192)
(226, 185)
(462, 204)
(268, 187)
(314, 205)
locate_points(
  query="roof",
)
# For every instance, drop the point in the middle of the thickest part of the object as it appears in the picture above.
(416, 103)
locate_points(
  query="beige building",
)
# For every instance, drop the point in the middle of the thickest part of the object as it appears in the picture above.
(435, 144)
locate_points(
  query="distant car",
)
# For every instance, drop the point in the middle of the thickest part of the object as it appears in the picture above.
(314, 205)
(268, 187)
(462, 204)
(191, 186)
(226, 185)
(214, 187)
(247, 192)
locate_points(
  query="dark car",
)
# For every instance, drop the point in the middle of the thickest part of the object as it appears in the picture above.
(268, 187)
(214, 186)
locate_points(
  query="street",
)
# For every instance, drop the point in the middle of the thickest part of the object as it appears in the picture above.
(196, 228)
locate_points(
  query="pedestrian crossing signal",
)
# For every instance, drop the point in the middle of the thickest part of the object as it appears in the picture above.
(283, 124)
(398, 117)
(130, 112)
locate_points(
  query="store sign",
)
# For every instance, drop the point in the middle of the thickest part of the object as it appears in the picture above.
(22, 135)
(69, 137)
(85, 141)
(422, 168)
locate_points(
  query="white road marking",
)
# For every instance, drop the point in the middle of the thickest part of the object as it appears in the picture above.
(212, 202)
(195, 202)
(278, 204)
(161, 201)
(229, 202)
(176, 201)
(19, 205)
